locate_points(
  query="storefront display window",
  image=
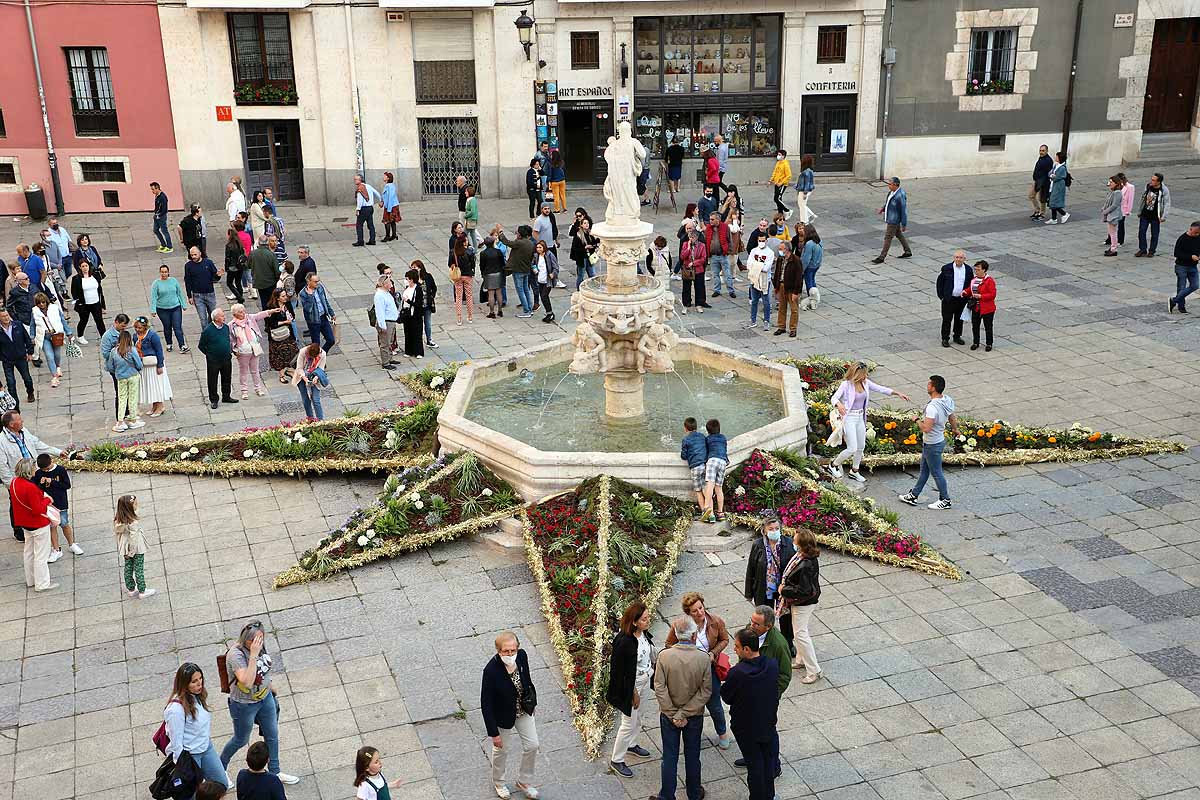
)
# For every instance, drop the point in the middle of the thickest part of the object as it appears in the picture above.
(647, 43)
(713, 54)
(649, 131)
(749, 133)
(766, 52)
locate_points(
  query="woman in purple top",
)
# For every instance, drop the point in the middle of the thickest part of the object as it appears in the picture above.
(852, 399)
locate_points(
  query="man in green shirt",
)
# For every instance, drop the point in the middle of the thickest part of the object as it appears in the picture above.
(264, 271)
(218, 351)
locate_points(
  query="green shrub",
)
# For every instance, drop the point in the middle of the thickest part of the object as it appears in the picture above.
(106, 453)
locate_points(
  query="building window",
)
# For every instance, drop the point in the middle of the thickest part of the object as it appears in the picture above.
(444, 59)
(92, 103)
(991, 141)
(449, 148)
(831, 44)
(103, 171)
(750, 132)
(8, 174)
(585, 50)
(261, 46)
(112, 198)
(713, 54)
(993, 61)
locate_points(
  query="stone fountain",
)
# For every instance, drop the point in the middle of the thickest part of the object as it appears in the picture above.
(622, 331)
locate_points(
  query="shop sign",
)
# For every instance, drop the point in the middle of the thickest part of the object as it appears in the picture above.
(623, 108)
(1123, 20)
(838, 137)
(579, 92)
(224, 114)
(831, 86)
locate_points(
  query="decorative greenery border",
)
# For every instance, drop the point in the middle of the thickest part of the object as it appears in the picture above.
(422, 383)
(860, 510)
(593, 717)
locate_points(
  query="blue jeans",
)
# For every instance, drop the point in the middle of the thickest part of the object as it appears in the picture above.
(1153, 225)
(670, 760)
(67, 264)
(210, 765)
(428, 324)
(715, 709)
(162, 232)
(583, 269)
(310, 396)
(521, 281)
(720, 266)
(265, 714)
(172, 322)
(931, 464)
(810, 277)
(755, 297)
(205, 305)
(324, 328)
(1187, 280)
(54, 355)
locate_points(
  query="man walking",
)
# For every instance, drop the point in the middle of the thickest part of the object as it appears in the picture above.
(218, 354)
(16, 351)
(365, 200)
(1187, 273)
(895, 217)
(1153, 209)
(62, 242)
(318, 312)
(750, 691)
(160, 219)
(938, 413)
(953, 278)
(718, 241)
(682, 686)
(1039, 190)
(200, 277)
(307, 264)
(264, 270)
(191, 230)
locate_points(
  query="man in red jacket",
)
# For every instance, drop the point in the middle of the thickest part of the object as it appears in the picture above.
(718, 242)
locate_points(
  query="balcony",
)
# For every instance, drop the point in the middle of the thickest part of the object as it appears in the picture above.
(250, 93)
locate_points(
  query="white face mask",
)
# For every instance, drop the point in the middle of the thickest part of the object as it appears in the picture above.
(509, 661)
(779, 158)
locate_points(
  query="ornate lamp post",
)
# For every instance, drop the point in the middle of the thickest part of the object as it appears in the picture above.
(524, 25)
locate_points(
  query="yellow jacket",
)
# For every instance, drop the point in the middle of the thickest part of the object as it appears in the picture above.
(782, 174)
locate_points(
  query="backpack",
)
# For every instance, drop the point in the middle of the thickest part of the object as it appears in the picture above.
(1067, 180)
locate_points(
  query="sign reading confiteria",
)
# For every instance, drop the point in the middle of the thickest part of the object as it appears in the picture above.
(831, 86)
(570, 92)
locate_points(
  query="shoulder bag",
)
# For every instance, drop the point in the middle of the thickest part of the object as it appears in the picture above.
(722, 665)
(455, 272)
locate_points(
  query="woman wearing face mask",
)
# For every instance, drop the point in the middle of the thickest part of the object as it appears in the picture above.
(769, 554)
(507, 701)
(781, 176)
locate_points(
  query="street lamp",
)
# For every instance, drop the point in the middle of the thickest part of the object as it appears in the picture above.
(524, 25)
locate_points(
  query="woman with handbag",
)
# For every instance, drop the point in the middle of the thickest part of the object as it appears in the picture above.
(546, 267)
(712, 637)
(693, 255)
(247, 346)
(981, 301)
(50, 334)
(630, 670)
(412, 305)
(507, 701)
(799, 594)
(310, 378)
(258, 217)
(462, 275)
(33, 511)
(155, 387)
(429, 291)
(85, 251)
(391, 207)
(187, 724)
(282, 346)
(585, 252)
(235, 265)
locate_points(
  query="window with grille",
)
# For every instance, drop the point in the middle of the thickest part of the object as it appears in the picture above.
(831, 44)
(993, 61)
(92, 103)
(261, 45)
(8, 173)
(585, 50)
(103, 171)
(444, 59)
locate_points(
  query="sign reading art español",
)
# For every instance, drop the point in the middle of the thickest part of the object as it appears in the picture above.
(571, 92)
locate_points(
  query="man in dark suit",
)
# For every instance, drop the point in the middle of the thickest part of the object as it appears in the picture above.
(307, 264)
(16, 351)
(750, 691)
(953, 278)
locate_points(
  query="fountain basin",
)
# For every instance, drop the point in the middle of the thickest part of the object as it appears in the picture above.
(549, 465)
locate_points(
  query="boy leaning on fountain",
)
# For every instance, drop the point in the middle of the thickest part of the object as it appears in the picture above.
(714, 471)
(695, 452)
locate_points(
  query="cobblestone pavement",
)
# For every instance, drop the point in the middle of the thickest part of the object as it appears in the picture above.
(1067, 664)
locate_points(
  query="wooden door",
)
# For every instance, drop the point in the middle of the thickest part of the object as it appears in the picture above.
(272, 157)
(1171, 84)
(828, 131)
(602, 128)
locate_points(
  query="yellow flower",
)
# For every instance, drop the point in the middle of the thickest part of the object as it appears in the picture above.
(1052, 440)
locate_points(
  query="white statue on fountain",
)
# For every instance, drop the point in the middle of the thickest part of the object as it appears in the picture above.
(625, 156)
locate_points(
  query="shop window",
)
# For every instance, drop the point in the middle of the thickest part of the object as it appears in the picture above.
(585, 50)
(831, 44)
(92, 103)
(261, 46)
(649, 132)
(748, 133)
(8, 174)
(993, 61)
(766, 51)
(712, 54)
(112, 198)
(444, 59)
(103, 171)
(994, 141)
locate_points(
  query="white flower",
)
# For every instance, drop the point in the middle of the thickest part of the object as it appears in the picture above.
(803, 384)
(418, 505)
(183, 456)
(768, 473)
(487, 492)
(140, 453)
(362, 541)
(299, 437)
(437, 381)
(636, 496)
(400, 488)
(971, 442)
(962, 437)
(194, 451)
(370, 534)
(247, 454)
(739, 491)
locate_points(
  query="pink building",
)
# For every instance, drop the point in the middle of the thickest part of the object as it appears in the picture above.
(107, 99)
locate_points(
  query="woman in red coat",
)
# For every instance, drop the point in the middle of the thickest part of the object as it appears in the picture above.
(981, 299)
(29, 504)
(712, 173)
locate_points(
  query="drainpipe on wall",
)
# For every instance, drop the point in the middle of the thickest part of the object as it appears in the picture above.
(356, 109)
(1070, 106)
(889, 61)
(53, 157)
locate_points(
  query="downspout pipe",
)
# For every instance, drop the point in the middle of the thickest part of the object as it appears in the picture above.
(355, 107)
(888, 63)
(1070, 105)
(51, 155)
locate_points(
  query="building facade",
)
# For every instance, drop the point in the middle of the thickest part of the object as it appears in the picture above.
(107, 103)
(300, 94)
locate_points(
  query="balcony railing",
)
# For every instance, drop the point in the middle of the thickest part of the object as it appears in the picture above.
(94, 121)
(445, 81)
(265, 94)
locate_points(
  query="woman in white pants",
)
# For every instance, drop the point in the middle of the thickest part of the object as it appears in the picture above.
(629, 683)
(31, 511)
(507, 701)
(852, 399)
(799, 593)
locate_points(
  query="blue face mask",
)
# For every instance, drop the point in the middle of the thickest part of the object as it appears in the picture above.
(773, 535)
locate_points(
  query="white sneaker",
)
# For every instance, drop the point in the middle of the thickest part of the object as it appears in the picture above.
(856, 476)
(675, 277)
(288, 779)
(80, 340)
(1064, 219)
(683, 310)
(137, 423)
(148, 593)
(940, 505)
(120, 427)
(1051, 222)
(76, 549)
(560, 285)
(834, 470)
(502, 791)
(231, 297)
(789, 213)
(751, 326)
(55, 555)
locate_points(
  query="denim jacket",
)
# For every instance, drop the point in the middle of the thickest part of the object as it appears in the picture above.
(805, 183)
(309, 303)
(896, 211)
(122, 367)
(694, 450)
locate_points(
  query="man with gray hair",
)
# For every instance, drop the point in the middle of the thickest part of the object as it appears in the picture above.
(365, 200)
(218, 351)
(953, 278)
(235, 202)
(895, 218)
(682, 686)
(306, 265)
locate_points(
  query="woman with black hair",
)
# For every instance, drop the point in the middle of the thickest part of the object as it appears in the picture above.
(189, 723)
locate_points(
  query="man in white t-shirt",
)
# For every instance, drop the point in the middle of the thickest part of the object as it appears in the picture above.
(235, 203)
(760, 265)
(938, 413)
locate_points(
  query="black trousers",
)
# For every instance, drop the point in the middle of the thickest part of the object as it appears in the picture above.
(952, 308)
(761, 756)
(697, 284)
(93, 312)
(234, 281)
(10, 378)
(366, 216)
(976, 317)
(544, 293)
(225, 370)
(535, 200)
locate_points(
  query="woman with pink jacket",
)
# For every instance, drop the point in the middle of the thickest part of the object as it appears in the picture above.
(246, 339)
(852, 399)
